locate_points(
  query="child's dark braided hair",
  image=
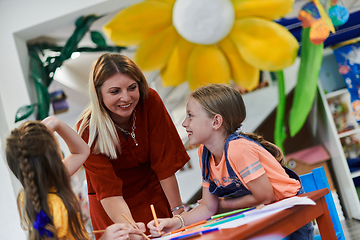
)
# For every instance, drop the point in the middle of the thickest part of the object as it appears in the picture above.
(34, 156)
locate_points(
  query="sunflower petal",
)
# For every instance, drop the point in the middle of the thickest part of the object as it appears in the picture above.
(153, 54)
(269, 9)
(264, 44)
(175, 71)
(138, 22)
(171, 2)
(242, 73)
(207, 64)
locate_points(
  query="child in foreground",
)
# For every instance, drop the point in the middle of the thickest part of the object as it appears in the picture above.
(48, 207)
(239, 169)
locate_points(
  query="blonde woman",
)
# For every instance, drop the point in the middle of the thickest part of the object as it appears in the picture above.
(135, 147)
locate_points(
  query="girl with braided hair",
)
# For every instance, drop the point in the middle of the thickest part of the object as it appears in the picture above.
(48, 207)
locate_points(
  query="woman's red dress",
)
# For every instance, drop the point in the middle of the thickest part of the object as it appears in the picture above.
(135, 174)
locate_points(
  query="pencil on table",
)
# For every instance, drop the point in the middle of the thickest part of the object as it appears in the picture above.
(221, 215)
(155, 218)
(189, 226)
(135, 226)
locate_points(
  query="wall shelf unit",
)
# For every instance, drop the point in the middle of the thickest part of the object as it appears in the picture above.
(338, 131)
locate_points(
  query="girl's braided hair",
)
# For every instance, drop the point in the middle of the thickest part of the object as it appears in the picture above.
(34, 156)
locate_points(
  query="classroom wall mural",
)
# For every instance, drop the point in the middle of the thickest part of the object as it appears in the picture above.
(206, 41)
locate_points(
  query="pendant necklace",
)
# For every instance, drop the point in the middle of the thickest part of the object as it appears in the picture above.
(132, 133)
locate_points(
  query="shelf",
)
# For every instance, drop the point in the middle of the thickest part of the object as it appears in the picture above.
(355, 174)
(348, 133)
(336, 93)
(329, 136)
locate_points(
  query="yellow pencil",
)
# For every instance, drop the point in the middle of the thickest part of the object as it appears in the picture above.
(135, 226)
(98, 231)
(155, 218)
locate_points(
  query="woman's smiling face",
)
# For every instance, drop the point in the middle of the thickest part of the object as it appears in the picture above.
(120, 94)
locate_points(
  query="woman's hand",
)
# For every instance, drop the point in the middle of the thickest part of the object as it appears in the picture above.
(121, 231)
(165, 225)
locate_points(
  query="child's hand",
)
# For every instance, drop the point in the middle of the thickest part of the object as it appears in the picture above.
(141, 226)
(51, 122)
(165, 225)
(121, 231)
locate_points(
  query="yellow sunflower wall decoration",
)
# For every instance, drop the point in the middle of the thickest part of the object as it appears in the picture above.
(206, 41)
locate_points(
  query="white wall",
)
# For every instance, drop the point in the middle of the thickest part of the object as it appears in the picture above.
(9, 219)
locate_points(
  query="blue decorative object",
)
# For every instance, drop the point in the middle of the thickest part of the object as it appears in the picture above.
(338, 15)
(58, 100)
(41, 220)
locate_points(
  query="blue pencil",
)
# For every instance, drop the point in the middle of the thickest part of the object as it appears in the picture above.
(194, 234)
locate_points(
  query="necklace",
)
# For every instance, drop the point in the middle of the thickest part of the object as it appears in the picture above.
(132, 133)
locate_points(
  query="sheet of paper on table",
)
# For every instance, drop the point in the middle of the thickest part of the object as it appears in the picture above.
(259, 213)
(268, 210)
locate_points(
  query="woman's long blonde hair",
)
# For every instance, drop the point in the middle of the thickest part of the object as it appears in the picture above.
(102, 132)
(226, 101)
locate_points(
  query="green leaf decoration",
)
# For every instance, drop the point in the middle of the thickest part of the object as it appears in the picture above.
(82, 26)
(305, 89)
(37, 69)
(98, 38)
(43, 100)
(24, 112)
(279, 132)
(79, 21)
(42, 72)
(42, 81)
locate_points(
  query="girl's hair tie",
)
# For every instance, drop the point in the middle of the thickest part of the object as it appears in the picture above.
(239, 129)
(41, 220)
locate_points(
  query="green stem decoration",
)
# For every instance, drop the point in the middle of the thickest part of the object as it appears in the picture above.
(305, 89)
(279, 132)
(42, 73)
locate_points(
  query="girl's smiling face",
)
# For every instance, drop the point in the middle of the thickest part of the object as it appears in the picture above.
(197, 123)
(120, 94)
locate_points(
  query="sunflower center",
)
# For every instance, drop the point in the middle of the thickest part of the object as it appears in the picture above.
(203, 21)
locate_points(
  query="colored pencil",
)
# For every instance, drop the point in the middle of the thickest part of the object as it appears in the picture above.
(195, 230)
(155, 218)
(236, 211)
(190, 226)
(221, 221)
(98, 231)
(230, 213)
(193, 234)
(135, 226)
